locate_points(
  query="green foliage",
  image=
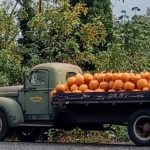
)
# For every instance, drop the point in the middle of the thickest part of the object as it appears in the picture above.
(10, 66)
(134, 35)
(117, 59)
(8, 29)
(118, 134)
(59, 34)
(93, 34)
(102, 9)
(99, 11)
(10, 59)
(139, 33)
(3, 79)
(76, 136)
(133, 38)
(80, 136)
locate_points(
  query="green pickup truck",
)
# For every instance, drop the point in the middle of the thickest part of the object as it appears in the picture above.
(27, 109)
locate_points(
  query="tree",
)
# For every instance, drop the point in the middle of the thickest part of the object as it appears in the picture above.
(9, 51)
(135, 9)
(58, 34)
(24, 15)
(99, 10)
(124, 16)
(134, 36)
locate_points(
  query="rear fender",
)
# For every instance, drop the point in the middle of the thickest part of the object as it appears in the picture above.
(12, 110)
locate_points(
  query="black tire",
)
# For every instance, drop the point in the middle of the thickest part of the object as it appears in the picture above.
(3, 126)
(139, 127)
(28, 134)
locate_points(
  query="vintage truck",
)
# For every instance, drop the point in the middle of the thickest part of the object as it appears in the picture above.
(28, 109)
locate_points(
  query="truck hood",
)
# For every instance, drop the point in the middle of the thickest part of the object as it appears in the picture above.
(10, 90)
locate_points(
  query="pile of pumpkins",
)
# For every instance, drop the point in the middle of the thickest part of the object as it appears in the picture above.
(105, 82)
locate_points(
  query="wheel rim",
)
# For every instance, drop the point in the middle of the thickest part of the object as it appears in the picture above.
(1, 125)
(141, 128)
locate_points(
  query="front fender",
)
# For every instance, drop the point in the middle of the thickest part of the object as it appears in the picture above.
(12, 110)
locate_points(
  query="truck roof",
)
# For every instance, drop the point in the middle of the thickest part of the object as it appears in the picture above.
(55, 65)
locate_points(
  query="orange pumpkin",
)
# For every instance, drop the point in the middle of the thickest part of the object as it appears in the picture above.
(125, 77)
(98, 76)
(87, 78)
(129, 86)
(83, 87)
(142, 83)
(145, 75)
(116, 76)
(66, 87)
(104, 85)
(71, 81)
(108, 77)
(94, 84)
(149, 84)
(99, 90)
(131, 74)
(111, 83)
(146, 89)
(149, 76)
(134, 77)
(118, 85)
(60, 88)
(79, 79)
(74, 87)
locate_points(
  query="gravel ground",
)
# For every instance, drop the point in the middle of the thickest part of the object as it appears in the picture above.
(47, 146)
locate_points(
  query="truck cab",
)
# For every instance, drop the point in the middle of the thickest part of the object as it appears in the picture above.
(30, 104)
(36, 97)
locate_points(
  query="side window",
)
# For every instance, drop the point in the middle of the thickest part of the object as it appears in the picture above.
(39, 78)
(70, 74)
(36, 78)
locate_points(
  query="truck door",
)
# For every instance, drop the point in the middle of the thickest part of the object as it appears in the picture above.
(37, 93)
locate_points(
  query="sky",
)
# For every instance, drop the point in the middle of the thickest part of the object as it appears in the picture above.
(128, 5)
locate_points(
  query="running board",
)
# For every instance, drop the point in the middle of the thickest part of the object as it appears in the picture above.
(37, 124)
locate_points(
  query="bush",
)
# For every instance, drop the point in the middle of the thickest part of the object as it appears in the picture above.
(117, 135)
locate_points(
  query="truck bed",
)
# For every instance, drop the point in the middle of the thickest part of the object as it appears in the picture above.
(96, 108)
(106, 97)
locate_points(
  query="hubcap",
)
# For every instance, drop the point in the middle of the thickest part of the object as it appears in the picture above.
(141, 128)
(0, 124)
